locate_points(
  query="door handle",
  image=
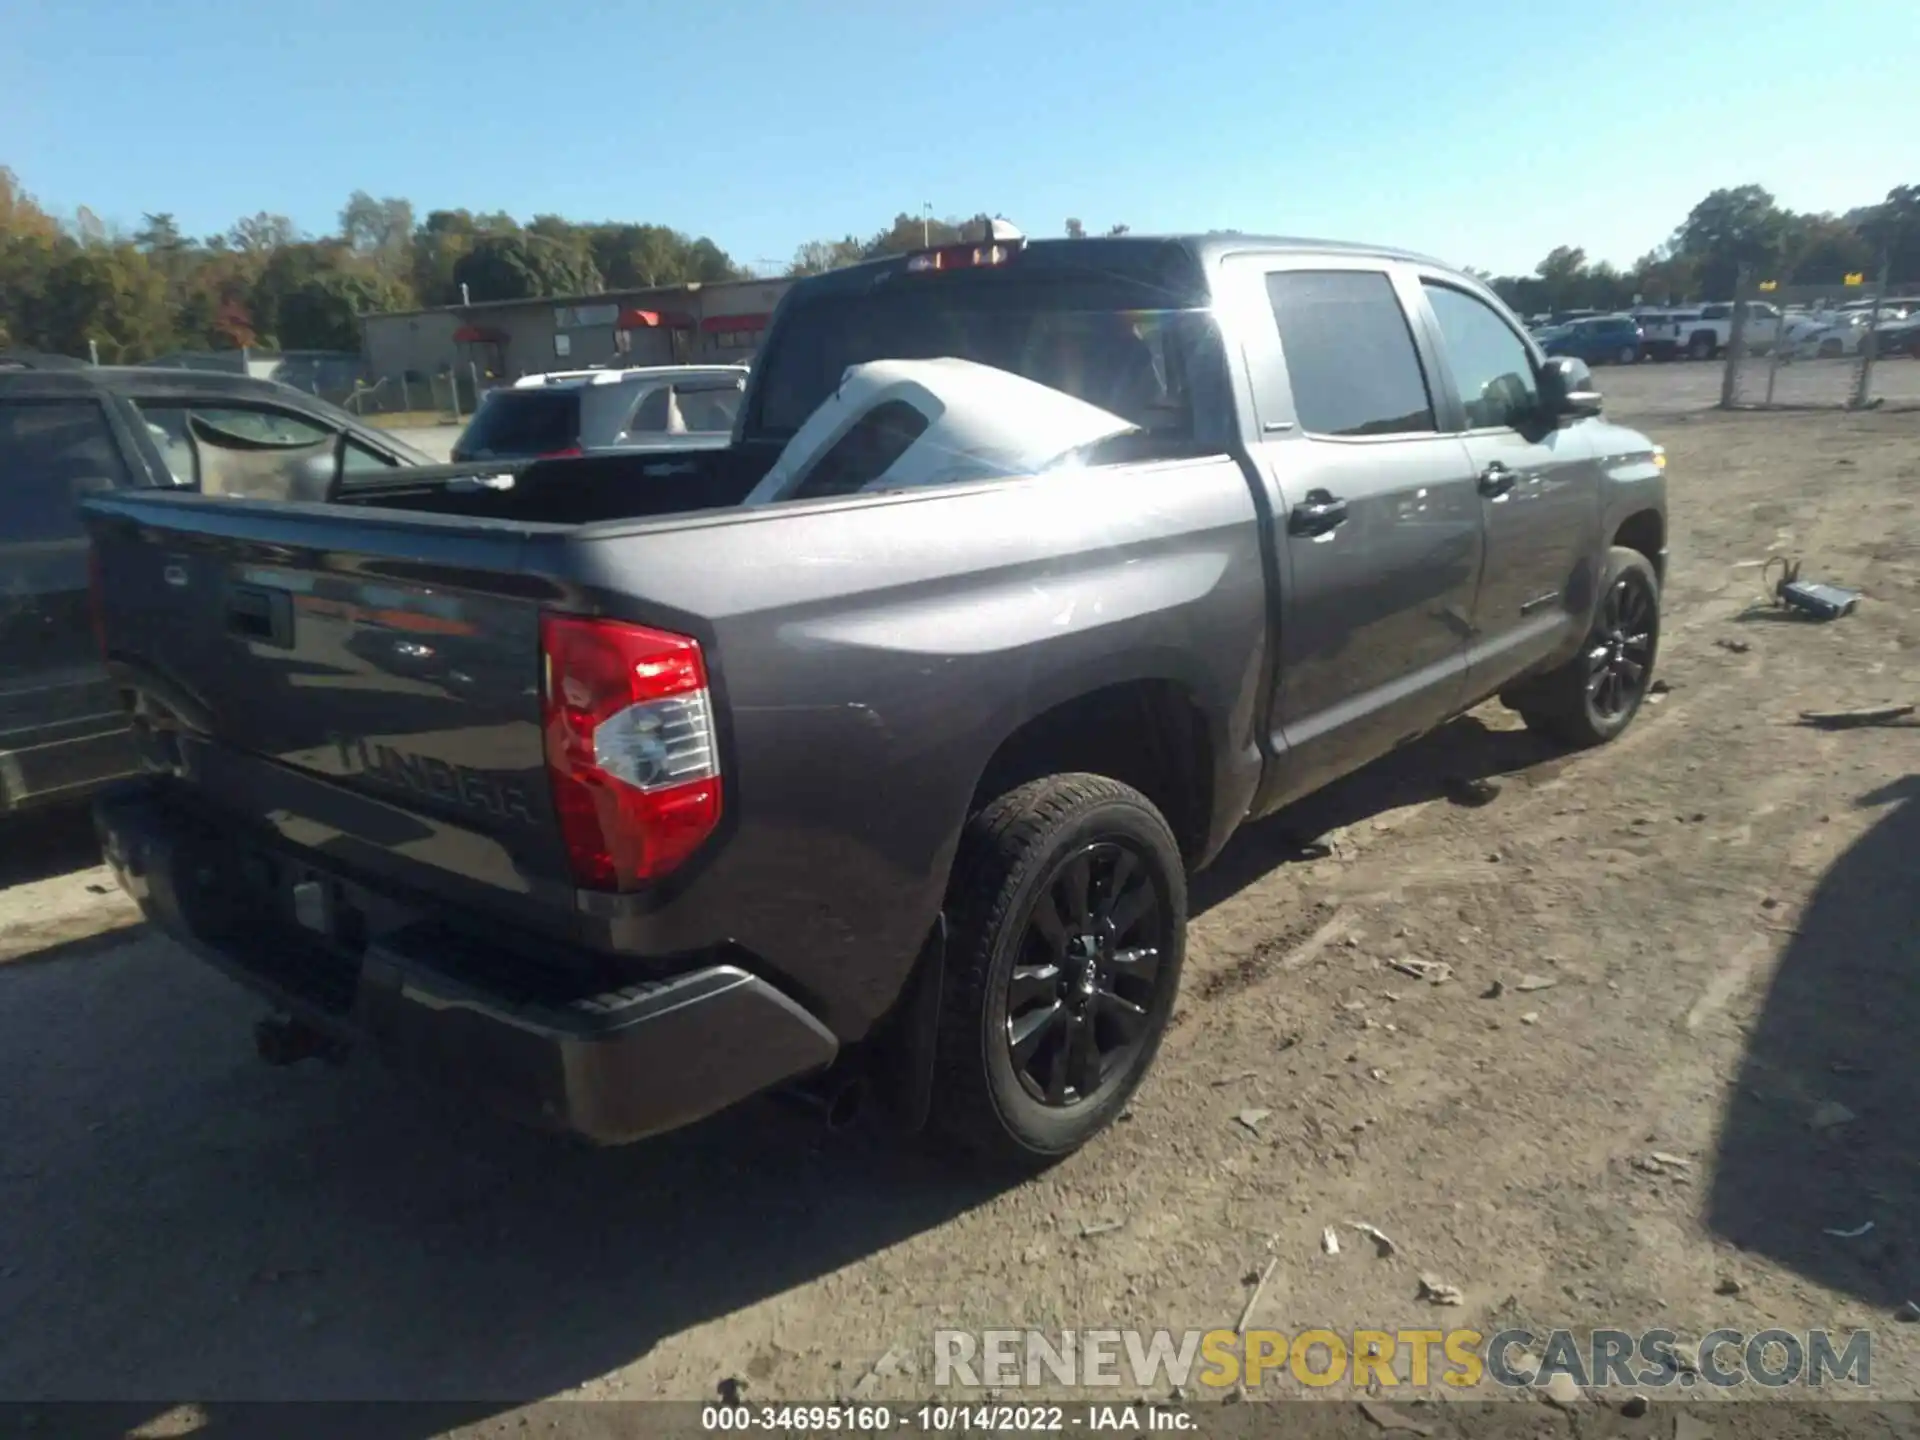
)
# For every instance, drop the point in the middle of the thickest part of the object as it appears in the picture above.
(1316, 514)
(1497, 479)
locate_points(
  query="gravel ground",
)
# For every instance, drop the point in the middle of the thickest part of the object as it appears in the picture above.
(1723, 903)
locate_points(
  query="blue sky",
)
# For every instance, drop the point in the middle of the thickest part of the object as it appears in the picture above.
(1485, 133)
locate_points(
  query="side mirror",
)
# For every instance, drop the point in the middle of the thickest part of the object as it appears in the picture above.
(1568, 388)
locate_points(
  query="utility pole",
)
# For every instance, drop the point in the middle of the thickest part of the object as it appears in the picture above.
(926, 224)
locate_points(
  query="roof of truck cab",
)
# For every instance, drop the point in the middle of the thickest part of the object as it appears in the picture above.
(1104, 252)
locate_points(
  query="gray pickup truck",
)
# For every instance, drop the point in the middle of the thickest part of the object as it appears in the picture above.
(618, 801)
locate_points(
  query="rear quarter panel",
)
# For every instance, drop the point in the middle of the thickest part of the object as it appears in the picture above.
(870, 656)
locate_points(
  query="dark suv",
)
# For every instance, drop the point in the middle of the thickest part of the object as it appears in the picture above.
(69, 430)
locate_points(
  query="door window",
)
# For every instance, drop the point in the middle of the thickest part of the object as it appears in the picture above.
(1349, 353)
(358, 459)
(52, 455)
(1490, 363)
(265, 453)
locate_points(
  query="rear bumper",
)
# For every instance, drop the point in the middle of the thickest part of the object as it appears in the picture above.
(609, 1067)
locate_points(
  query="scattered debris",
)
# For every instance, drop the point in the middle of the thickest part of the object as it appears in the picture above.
(1100, 1227)
(1809, 597)
(1908, 1313)
(1738, 647)
(1685, 1427)
(1226, 1080)
(1728, 1286)
(1686, 1357)
(1252, 1118)
(1829, 1114)
(1634, 1406)
(1382, 1242)
(1679, 1162)
(729, 1390)
(1437, 1292)
(1353, 1006)
(1469, 790)
(1853, 1234)
(1660, 1163)
(1563, 1392)
(1330, 1240)
(1287, 1042)
(1494, 991)
(1527, 984)
(1853, 719)
(1378, 1075)
(1436, 971)
(1532, 1017)
(96, 889)
(1660, 687)
(1391, 1420)
(1524, 1364)
(1259, 1288)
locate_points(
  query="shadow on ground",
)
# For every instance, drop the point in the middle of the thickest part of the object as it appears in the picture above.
(186, 1223)
(1838, 1030)
(45, 843)
(1446, 764)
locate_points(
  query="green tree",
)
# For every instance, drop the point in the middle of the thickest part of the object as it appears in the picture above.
(322, 311)
(1892, 229)
(524, 267)
(380, 232)
(1075, 230)
(110, 295)
(1731, 228)
(262, 234)
(816, 257)
(908, 233)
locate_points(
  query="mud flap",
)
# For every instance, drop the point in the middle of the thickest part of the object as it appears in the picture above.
(902, 1066)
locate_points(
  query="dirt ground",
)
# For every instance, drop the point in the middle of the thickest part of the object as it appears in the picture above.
(1703, 938)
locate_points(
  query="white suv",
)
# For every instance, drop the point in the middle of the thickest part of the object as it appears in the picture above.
(570, 412)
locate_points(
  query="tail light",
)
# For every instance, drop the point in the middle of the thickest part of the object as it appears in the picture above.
(572, 452)
(630, 748)
(97, 601)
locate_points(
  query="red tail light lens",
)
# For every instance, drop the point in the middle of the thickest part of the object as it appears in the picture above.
(97, 601)
(572, 452)
(630, 748)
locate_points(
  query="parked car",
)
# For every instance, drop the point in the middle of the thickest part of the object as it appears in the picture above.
(621, 802)
(1601, 340)
(69, 430)
(571, 412)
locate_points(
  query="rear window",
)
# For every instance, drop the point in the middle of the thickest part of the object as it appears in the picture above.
(523, 422)
(52, 455)
(1112, 341)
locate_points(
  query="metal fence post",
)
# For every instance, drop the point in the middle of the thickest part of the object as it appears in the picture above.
(406, 395)
(1870, 343)
(1736, 340)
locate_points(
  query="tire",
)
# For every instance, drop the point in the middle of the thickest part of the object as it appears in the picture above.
(1017, 861)
(1701, 347)
(1564, 704)
(1628, 354)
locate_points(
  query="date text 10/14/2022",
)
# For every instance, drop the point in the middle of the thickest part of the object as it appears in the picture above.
(941, 1419)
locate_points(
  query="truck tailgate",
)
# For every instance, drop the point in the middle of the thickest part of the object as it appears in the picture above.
(370, 683)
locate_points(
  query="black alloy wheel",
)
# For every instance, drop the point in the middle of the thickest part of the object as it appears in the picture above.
(1085, 981)
(1620, 654)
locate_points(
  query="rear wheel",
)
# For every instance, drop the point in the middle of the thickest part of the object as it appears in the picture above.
(1628, 354)
(1068, 912)
(1701, 347)
(1595, 695)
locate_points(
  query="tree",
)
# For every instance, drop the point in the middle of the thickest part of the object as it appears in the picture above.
(1822, 250)
(322, 311)
(1075, 230)
(908, 233)
(524, 267)
(1731, 228)
(1892, 229)
(262, 234)
(110, 295)
(380, 231)
(816, 257)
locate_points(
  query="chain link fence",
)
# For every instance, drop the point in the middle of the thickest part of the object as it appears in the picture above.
(1860, 354)
(447, 398)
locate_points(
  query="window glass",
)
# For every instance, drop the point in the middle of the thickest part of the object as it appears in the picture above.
(358, 459)
(865, 452)
(260, 453)
(1490, 364)
(522, 422)
(52, 455)
(1350, 353)
(708, 405)
(650, 416)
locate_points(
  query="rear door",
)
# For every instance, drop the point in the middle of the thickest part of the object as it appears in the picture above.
(1538, 486)
(1379, 535)
(54, 697)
